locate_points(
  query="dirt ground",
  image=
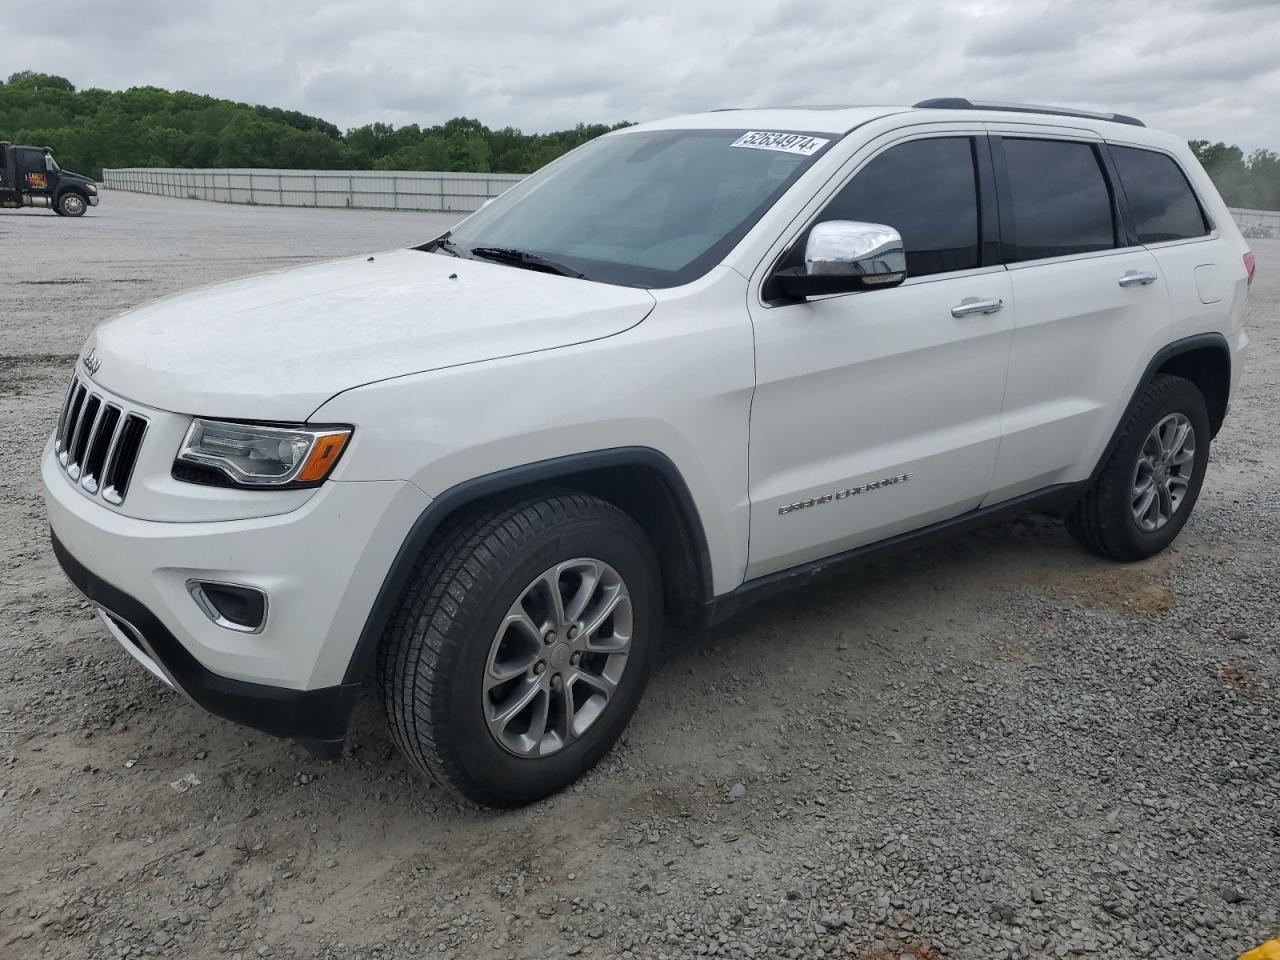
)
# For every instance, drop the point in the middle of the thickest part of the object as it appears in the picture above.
(996, 747)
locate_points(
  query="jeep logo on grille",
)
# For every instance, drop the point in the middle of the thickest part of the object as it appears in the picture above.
(91, 361)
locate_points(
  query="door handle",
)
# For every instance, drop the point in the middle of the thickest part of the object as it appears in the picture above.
(1137, 279)
(972, 308)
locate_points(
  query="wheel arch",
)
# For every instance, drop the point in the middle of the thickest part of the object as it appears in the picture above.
(1205, 360)
(641, 481)
(1208, 366)
(75, 188)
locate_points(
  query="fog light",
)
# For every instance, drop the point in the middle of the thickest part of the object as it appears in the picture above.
(230, 605)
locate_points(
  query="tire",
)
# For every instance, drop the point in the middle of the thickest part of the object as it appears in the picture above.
(434, 662)
(1105, 521)
(72, 204)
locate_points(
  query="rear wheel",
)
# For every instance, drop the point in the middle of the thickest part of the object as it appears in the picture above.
(71, 204)
(1150, 482)
(522, 646)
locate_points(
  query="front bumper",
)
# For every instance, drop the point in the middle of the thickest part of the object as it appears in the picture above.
(93, 199)
(321, 566)
(318, 718)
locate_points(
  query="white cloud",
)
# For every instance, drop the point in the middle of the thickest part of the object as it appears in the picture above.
(1201, 69)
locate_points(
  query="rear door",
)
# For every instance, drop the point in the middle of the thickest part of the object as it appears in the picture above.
(1091, 306)
(1167, 217)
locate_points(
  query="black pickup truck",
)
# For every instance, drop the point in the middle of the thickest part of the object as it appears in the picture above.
(30, 177)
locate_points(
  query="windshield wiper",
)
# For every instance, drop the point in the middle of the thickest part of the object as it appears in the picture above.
(526, 260)
(444, 244)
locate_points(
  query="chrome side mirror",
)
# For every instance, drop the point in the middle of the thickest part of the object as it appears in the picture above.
(871, 251)
(841, 256)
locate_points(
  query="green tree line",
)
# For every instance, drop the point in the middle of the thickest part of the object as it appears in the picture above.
(1252, 181)
(150, 127)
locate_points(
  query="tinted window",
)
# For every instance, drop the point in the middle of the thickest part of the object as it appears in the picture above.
(1061, 205)
(927, 191)
(1160, 199)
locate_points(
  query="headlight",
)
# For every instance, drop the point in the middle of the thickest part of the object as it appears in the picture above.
(90, 188)
(254, 455)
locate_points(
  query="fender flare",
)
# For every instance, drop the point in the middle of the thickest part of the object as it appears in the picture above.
(513, 478)
(1199, 341)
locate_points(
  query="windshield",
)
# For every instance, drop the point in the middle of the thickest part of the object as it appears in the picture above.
(645, 209)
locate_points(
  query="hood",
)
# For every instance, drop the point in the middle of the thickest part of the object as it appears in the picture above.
(66, 176)
(277, 345)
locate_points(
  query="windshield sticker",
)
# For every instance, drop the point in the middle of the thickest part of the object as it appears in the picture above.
(799, 143)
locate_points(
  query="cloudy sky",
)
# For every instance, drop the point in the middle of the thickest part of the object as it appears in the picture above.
(1201, 68)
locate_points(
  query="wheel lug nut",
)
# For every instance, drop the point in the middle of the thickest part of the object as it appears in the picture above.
(539, 667)
(549, 637)
(555, 682)
(575, 658)
(573, 633)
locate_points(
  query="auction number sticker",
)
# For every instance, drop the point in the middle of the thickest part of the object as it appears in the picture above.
(800, 143)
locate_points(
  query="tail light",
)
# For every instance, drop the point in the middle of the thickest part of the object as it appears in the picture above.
(1249, 265)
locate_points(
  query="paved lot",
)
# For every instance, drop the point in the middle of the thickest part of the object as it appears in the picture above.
(1000, 746)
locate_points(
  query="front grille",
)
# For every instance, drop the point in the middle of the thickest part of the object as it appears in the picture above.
(97, 442)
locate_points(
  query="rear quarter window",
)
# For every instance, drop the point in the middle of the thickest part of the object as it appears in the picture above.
(1161, 202)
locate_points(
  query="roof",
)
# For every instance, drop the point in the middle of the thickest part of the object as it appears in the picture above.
(839, 120)
(834, 120)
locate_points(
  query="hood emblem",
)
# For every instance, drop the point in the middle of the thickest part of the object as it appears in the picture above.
(91, 361)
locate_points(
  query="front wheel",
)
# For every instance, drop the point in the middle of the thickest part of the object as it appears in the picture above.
(1150, 482)
(522, 646)
(71, 204)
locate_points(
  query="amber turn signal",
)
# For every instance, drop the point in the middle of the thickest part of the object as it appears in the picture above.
(324, 454)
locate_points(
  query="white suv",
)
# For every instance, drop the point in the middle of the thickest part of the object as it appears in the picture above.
(685, 364)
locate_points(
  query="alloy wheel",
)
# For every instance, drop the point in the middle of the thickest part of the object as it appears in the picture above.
(1162, 474)
(557, 657)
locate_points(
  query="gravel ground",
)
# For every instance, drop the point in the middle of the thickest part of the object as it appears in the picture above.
(998, 747)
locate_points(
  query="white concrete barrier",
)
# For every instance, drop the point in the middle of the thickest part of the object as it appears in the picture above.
(1258, 223)
(425, 191)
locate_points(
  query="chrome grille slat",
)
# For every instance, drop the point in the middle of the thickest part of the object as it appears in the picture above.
(115, 479)
(105, 433)
(97, 441)
(71, 420)
(87, 420)
(58, 442)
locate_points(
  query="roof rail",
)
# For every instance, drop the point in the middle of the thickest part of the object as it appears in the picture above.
(961, 103)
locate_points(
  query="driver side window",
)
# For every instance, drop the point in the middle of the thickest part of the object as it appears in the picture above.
(926, 190)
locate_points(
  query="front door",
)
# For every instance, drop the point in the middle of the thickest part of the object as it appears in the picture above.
(33, 175)
(878, 412)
